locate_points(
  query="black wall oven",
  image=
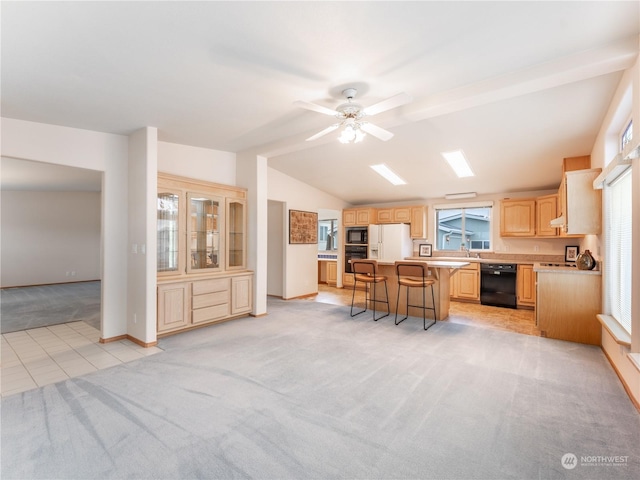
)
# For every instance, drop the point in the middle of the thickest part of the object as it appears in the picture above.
(498, 284)
(353, 252)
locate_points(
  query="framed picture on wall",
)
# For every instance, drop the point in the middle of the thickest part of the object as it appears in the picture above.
(303, 227)
(424, 250)
(571, 253)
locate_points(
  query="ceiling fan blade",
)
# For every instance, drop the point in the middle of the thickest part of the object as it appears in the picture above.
(323, 132)
(316, 108)
(376, 131)
(388, 104)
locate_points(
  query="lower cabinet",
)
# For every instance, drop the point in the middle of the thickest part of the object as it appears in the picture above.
(332, 273)
(526, 286)
(183, 305)
(173, 306)
(465, 283)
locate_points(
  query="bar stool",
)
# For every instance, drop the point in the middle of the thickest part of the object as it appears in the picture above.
(366, 271)
(415, 275)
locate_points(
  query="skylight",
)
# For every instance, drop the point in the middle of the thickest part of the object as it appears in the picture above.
(459, 163)
(388, 174)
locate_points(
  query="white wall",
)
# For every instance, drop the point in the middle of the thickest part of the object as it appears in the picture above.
(194, 162)
(301, 274)
(50, 237)
(102, 152)
(142, 271)
(625, 102)
(275, 248)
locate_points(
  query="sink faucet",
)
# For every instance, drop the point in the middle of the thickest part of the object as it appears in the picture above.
(466, 250)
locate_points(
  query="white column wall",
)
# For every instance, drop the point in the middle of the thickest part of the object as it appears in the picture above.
(251, 170)
(143, 179)
(102, 152)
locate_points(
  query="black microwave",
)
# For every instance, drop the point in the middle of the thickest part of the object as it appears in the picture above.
(356, 236)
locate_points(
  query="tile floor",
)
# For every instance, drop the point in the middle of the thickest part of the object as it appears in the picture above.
(40, 356)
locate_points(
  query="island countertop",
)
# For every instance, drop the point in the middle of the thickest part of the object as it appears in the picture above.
(439, 270)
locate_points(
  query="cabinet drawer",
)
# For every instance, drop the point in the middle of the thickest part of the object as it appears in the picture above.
(210, 299)
(210, 313)
(210, 286)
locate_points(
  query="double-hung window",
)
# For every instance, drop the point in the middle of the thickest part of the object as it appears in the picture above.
(463, 227)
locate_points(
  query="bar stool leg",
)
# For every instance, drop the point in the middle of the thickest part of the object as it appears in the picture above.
(435, 315)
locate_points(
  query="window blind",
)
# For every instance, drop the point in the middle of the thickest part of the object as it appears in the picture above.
(618, 249)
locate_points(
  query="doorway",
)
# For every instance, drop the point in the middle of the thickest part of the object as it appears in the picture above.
(51, 245)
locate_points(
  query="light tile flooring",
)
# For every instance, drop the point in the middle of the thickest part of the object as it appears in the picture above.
(37, 357)
(506, 319)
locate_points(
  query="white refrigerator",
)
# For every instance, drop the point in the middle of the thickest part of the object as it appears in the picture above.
(390, 242)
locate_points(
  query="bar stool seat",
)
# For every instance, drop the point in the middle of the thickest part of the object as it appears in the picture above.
(415, 275)
(366, 271)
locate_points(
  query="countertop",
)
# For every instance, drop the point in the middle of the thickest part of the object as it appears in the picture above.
(475, 260)
(539, 268)
(436, 263)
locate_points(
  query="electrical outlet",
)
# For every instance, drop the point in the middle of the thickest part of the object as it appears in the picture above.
(134, 248)
(135, 318)
(73, 273)
(536, 248)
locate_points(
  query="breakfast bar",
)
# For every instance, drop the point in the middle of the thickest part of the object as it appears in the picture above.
(439, 270)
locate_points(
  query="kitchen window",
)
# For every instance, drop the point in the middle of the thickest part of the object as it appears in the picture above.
(463, 227)
(327, 235)
(626, 136)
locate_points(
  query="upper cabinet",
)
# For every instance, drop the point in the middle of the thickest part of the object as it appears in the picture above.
(518, 217)
(416, 216)
(580, 211)
(203, 231)
(236, 234)
(358, 216)
(201, 227)
(546, 210)
(419, 221)
(170, 211)
(529, 217)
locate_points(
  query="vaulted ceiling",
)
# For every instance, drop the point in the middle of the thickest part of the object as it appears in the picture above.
(516, 85)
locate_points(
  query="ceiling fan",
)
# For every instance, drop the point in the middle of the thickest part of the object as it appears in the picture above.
(352, 115)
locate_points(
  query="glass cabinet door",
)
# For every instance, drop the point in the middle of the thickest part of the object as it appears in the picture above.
(203, 232)
(236, 234)
(169, 229)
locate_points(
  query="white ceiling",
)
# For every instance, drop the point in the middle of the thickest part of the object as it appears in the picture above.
(516, 85)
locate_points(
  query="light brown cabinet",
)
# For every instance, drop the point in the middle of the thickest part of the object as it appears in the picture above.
(393, 215)
(416, 216)
(526, 286)
(518, 217)
(202, 252)
(358, 216)
(464, 284)
(419, 221)
(529, 217)
(567, 305)
(546, 210)
(332, 273)
(173, 306)
(580, 205)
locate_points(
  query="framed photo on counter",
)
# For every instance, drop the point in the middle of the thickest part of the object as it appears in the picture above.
(571, 253)
(424, 250)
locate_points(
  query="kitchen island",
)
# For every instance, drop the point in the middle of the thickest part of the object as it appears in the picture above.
(439, 270)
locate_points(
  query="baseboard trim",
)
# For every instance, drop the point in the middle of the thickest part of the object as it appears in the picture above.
(130, 338)
(302, 296)
(141, 343)
(113, 339)
(624, 384)
(48, 284)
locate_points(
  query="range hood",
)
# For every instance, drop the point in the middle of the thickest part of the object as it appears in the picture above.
(557, 222)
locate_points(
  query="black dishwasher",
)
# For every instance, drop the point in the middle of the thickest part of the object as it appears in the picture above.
(498, 284)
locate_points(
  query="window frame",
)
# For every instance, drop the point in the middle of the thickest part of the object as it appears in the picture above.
(464, 206)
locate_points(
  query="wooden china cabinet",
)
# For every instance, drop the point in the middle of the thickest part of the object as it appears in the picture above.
(202, 253)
